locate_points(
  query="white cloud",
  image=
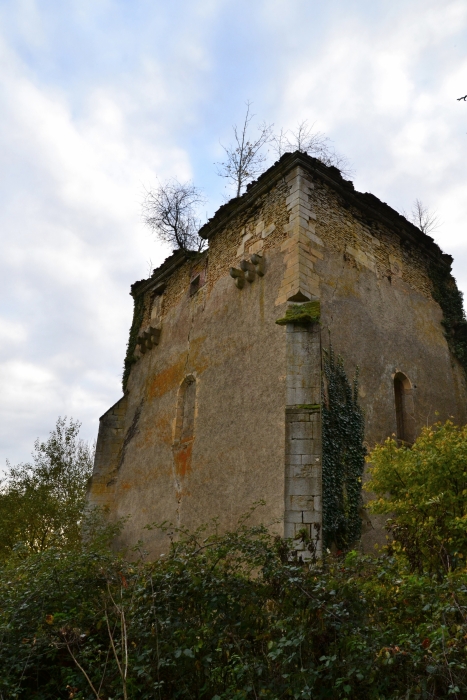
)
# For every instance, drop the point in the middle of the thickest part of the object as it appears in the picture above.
(97, 98)
(73, 242)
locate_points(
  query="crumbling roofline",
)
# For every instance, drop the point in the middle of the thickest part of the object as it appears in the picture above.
(156, 283)
(365, 202)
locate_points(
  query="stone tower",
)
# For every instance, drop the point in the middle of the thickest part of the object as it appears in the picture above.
(222, 404)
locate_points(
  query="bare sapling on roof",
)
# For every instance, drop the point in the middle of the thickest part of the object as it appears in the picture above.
(245, 157)
(423, 218)
(304, 139)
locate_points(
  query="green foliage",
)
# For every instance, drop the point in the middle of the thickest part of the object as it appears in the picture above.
(425, 488)
(41, 504)
(227, 617)
(138, 314)
(343, 456)
(301, 313)
(448, 296)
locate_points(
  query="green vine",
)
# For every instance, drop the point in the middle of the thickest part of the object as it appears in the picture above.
(343, 455)
(448, 296)
(138, 314)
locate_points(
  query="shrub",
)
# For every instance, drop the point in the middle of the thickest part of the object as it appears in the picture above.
(228, 616)
(424, 488)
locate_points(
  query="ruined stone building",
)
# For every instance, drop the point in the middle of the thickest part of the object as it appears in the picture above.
(221, 404)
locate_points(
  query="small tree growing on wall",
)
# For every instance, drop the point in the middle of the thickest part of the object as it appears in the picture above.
(244, 158)
(170, 212)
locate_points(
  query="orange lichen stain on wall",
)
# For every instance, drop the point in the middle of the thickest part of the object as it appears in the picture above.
(166, 380)
(162, 427)
(182, 458)
(99, 489)
(197, 360)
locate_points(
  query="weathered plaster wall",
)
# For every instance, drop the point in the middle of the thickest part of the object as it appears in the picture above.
(225, 339)
(378, 312)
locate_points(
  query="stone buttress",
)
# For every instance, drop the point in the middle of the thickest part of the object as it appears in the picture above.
(303, 444)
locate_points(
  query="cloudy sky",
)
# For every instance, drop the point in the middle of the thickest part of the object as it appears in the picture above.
(98, 98)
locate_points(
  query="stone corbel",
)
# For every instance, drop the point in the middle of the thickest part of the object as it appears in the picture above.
(148, 339)
(258, 262)
(239, 277)
(249, 270)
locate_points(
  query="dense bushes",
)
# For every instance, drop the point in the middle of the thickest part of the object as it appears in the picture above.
(236, 616)
(424, 488)
(227, 617)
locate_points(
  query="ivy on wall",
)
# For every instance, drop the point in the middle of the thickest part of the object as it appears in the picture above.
(138, 313)
(343, 455)
(448, 296)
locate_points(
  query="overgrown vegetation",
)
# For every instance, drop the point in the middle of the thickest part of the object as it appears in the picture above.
(129, 361)
(308, 312)
(424, 489)
(236, 616)
(343, 456)
(42, 503)
(229, 616)
(449, 297)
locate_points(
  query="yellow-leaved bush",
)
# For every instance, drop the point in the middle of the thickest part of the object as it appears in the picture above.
(423, 488)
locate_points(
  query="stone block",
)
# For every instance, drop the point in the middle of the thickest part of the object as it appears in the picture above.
(293, 460)
(298, 196)
(300, 503)
(256, 247)
(269, 229)
(303, 517)
(316, 239)
(300, 430)
(301, 184)
(299, 447)
(245, 238)
(296, 486)
(299, 218)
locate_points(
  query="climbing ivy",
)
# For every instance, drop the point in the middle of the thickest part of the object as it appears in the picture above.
(138, 313)
(343, 455)
(448, 296)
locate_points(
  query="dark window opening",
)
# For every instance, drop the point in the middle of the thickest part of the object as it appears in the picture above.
(405, 424)
(195, 285)
(185, 421)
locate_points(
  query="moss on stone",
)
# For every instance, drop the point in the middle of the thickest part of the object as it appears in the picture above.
(301, 313)
(449, 297)
(138, 314)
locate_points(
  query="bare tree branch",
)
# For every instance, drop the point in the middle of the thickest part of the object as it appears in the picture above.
(280, 142)
(170, 211)
(462, 98)
(315, 143)
(426, 220)
(244, 159)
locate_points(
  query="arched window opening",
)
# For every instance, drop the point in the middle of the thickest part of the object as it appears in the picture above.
(185, 425)
(405, 423)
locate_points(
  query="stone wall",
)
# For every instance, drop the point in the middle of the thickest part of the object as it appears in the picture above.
(303, 446)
